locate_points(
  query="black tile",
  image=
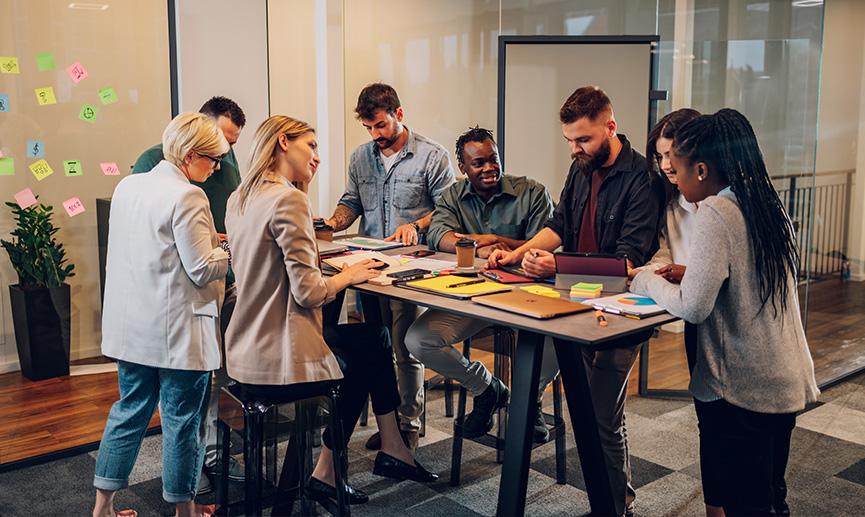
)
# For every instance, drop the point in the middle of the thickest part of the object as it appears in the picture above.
(439, 507)
(854, 473)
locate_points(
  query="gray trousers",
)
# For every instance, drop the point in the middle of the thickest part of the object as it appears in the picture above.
(431, 340)
(398, 316)
(608, 372)
(220, 379)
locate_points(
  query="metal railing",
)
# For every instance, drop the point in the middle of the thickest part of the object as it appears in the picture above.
(826, 196)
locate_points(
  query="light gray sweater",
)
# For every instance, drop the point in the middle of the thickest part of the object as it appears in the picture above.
(752, 359)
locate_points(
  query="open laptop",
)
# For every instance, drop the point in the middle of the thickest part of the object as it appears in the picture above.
(330, 248)
(593, 268)
(533, 305)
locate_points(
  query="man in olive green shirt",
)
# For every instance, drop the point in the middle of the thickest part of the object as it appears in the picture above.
(497, 211)
(224, 180)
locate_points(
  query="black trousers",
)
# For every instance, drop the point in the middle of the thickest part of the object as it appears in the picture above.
(364, 354)
(742, 455)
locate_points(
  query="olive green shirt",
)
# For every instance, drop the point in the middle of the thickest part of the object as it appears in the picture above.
(518, 211)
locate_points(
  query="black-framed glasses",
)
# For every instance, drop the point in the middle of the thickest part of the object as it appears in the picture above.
(214, 159)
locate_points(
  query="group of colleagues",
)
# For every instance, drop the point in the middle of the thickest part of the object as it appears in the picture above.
(199, 257)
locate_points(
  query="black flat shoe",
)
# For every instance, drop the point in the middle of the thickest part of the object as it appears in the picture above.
(322, 492)
(390, 467)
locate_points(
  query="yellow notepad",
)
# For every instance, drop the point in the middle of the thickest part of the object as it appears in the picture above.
(441, 285)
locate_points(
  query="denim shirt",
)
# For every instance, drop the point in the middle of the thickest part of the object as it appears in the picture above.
(405, 193)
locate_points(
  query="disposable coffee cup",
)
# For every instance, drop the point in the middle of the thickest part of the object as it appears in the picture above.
(466, 253)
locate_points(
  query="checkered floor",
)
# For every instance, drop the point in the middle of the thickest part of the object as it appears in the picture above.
(826, 475)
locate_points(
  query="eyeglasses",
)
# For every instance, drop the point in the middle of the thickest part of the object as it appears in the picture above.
(215, 159)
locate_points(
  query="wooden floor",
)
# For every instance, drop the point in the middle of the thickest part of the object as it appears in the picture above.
(38, 418)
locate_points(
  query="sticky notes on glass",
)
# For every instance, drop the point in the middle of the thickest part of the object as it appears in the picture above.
(73, 206)
(76, 72)
(45, 96)
(41, 169)
(45, 61)
(4, 103)
(25, 198)
(88, 113)
(72, 168)
(110, 169)
(9, 65)
(108, 96)
(7, 166)
(35, 149)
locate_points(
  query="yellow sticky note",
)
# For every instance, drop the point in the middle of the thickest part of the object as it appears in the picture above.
(41, 169)
(9, 65)
(541, 291)
(45, 96)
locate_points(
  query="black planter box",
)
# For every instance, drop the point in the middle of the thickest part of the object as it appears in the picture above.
(41, 320)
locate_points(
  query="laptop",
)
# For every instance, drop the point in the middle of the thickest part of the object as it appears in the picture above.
(593, 268)
(532, 305)
(330, 248)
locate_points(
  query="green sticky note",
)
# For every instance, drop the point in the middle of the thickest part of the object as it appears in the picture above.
(108, 96)
(72, 168)
(45, 61)
(87, 113)
(7, 166)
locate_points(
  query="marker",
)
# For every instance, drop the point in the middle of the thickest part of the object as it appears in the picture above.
(602, 321)
(470, 282)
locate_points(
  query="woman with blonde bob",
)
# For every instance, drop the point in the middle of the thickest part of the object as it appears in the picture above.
(277, 339)
(164, 284)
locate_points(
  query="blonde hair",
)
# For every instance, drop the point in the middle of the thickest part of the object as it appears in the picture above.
(192, 132)
(264, 149)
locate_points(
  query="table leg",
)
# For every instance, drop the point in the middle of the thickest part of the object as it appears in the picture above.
(584, 424)
(518, 446)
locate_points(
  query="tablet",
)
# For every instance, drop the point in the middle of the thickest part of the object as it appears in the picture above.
(572, 268)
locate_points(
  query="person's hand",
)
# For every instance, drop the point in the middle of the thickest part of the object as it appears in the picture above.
(482, 239)
(502, 257)
(361, 272)
(486, 251)
(539, 263)
(672, 273)
(405, 233)
(221, 236)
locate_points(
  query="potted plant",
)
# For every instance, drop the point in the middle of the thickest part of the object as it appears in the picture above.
(40, 299)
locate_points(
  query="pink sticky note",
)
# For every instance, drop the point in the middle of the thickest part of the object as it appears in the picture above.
(77, 72)
(73, 206)
(110, 169)
(25, 198)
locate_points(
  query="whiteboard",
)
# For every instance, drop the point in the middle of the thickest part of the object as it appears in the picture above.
(538, 77)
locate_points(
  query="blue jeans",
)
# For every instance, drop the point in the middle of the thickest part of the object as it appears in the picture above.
(182, 396)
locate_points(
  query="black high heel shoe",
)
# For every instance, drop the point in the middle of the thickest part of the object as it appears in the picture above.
(320, 492)
(390, 467)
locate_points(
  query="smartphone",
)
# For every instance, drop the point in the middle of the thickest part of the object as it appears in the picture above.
(421, 253)
(409, 274)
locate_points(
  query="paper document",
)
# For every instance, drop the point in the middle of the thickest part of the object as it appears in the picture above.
(632, 305)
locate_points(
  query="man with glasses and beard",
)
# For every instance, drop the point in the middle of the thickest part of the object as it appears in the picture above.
(607, 206)
(394, 182)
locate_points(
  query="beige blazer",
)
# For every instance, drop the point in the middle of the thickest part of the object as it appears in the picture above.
(164, 274)
(275, 333)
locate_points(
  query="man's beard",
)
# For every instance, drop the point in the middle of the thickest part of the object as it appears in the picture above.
(384, 143)
(590, 163)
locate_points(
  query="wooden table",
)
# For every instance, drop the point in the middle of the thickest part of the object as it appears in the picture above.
(569, 334)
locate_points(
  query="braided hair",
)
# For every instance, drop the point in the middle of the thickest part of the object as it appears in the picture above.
(726, 142)
(666, 128)
(474, 134)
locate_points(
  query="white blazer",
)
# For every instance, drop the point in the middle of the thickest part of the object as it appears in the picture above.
(165, 274)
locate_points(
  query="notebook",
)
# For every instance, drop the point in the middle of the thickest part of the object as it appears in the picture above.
(506, 277)
(330, 248)
(368, 243)
(440, 285)
(353, 258)
(533, 305)
(630, 305)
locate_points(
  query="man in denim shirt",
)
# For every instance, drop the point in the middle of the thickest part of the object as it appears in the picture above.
(394, 182)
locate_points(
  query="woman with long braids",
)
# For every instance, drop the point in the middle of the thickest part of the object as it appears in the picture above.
(753, 369)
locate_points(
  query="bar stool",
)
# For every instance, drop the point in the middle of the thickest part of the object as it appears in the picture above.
(253, 417)
(504, 344)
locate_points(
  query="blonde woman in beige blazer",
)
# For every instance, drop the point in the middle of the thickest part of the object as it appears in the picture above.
(276, 337)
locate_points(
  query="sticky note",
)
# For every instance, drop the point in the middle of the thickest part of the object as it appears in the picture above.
(7, 166)
(41, 169)
(72, 168)
(110, 169)
(25, 198)
(108, 96)
(45, 61)
(35, 149)
(45, 96)
(73, 206)
(87, 113)
(4, 103)
(76, 72)
(9, 65)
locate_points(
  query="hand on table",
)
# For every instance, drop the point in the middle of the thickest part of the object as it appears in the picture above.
(500, 257)
(486, 251)
(539, 263)
(361, 272)
(406, 234)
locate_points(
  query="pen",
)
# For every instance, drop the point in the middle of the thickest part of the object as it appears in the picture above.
(602, 321)
(470, 282)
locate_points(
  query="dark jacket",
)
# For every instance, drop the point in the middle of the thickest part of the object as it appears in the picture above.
(627, 212)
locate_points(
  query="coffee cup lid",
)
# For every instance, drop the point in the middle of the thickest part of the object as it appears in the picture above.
(466, 243)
